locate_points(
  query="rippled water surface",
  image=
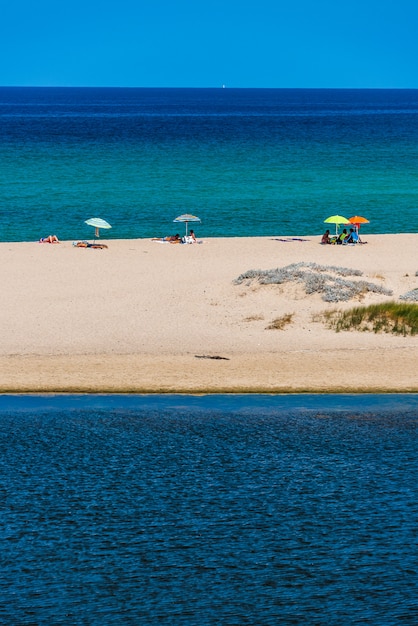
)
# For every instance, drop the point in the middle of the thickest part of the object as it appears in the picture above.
(195, 511)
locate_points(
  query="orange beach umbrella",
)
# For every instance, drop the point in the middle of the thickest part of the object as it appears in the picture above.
(357, 220)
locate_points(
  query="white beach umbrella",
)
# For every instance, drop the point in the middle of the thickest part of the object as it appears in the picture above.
(186, 217)
(98, 223)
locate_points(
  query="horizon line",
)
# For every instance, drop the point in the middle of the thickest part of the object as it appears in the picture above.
(220, 87)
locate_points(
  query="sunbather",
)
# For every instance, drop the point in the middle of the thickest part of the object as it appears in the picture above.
(171, 238)
(86, 244)
(49, 239)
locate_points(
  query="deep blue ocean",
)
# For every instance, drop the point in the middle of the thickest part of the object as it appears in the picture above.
(208, 510)
(246, 161)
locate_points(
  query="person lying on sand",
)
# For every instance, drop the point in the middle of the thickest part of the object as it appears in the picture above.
(86, 244)
(49, 239)
(171, 239)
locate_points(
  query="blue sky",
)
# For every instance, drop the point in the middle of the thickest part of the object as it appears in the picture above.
(207, 43)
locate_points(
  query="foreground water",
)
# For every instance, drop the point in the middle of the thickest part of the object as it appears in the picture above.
(209, 510)
(246, 161)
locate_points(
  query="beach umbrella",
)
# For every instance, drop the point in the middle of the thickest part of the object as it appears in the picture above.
(97, 223)
(186, 217)
(336, 219)
(357, 220)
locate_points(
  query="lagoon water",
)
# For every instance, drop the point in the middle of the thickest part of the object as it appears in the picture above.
(209, 510)
(246, 161)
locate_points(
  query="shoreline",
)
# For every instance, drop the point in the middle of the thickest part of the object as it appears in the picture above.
(144, 318)
(63, 375)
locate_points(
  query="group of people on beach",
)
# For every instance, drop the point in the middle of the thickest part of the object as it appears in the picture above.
(76, 244)
(191, 238)
(342, 238)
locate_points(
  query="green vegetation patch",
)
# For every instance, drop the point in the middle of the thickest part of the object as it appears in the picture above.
(387, 317)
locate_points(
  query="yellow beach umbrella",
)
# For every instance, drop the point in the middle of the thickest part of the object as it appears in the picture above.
(336, 219)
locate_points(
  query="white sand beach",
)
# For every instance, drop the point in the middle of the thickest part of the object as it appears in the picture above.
(142, 316)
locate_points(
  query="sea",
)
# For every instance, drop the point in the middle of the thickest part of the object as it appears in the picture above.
(247, 162)
(214, 509)
(208, 510)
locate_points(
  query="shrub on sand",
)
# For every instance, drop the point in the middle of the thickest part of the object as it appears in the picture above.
(387, 317)
(330, 281)
(280, 322)
(410, 295)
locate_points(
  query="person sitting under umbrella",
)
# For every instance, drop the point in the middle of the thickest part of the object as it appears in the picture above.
(191, 238)
(352, 237)
(341, 238)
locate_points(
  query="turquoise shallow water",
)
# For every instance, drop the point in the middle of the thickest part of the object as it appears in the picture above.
(247, 162)
(208, 510)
